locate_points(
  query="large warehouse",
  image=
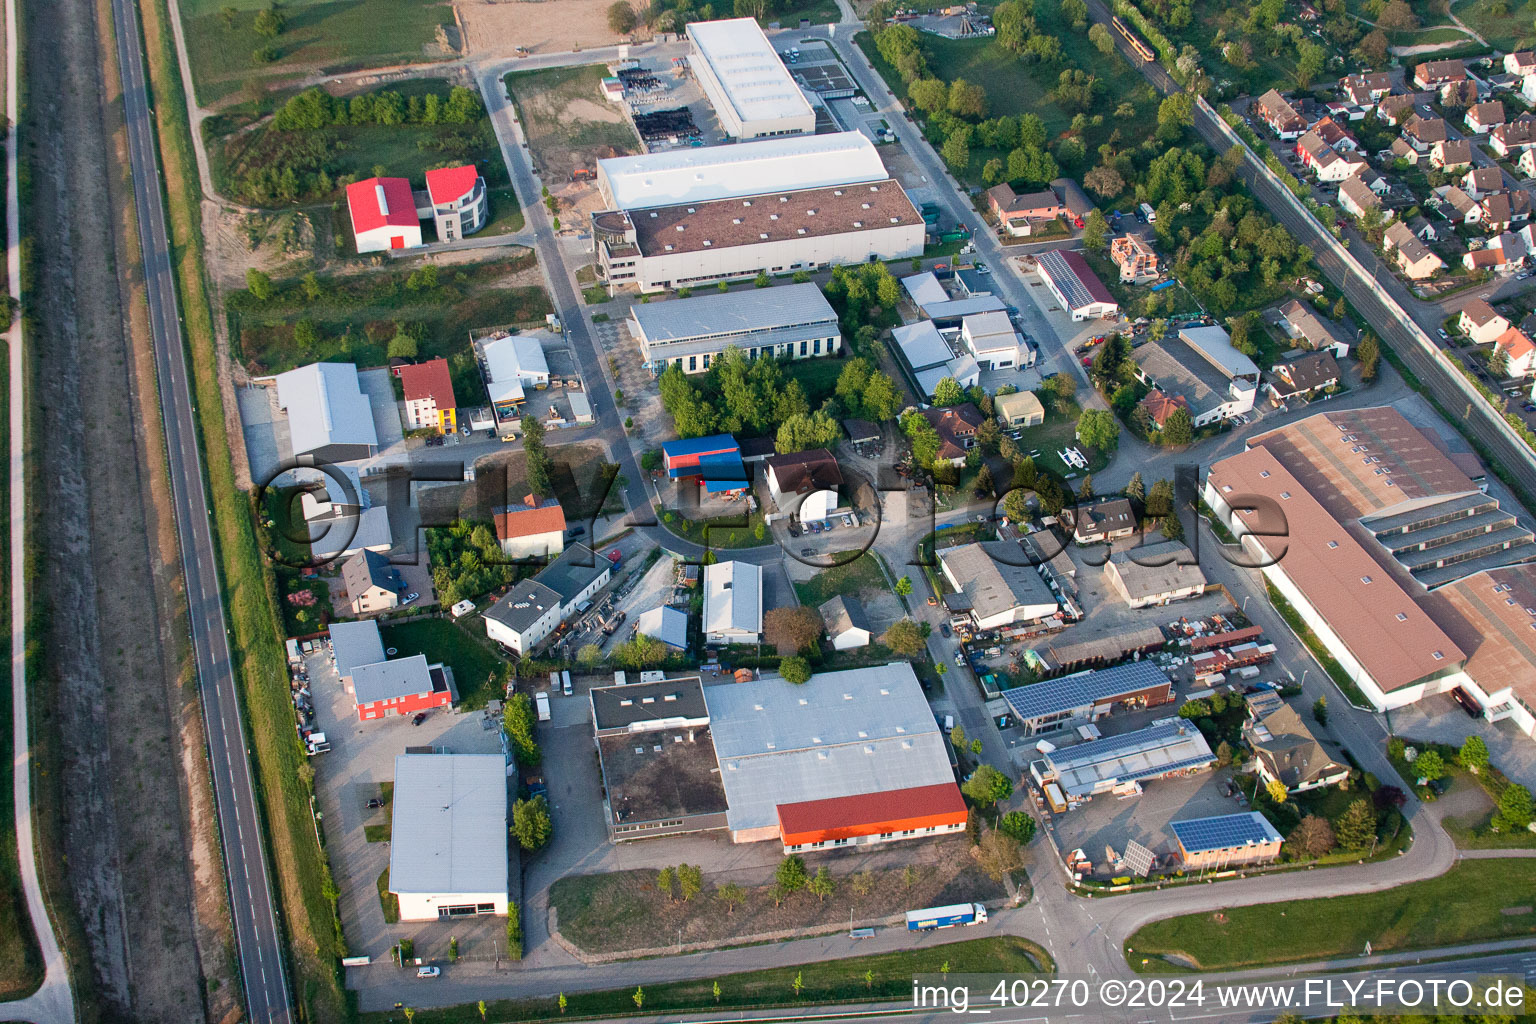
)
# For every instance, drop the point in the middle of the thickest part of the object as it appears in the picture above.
(448, 839)
(848, 758)
(329, 417)
(776, 206)
(1088, 696)
(1120, 764)
(792, 321)
(746, 82)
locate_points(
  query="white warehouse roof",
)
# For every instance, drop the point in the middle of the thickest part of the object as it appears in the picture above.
(450, 824)
(512, 362)
(700, 174)
(325, 406)
(755, 80)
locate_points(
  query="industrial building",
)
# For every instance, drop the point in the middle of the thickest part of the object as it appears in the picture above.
(448, 853)
(789, 321)
(329, 417)
(665, 623)
(657, 759)
(746, 82)
(512, 365)
(999, 585)
(733, 603)
(1213, 389)
(1057, 704)
(775, 206)
(715, 460)
(1053, 658)
(1121, 764)
(535, 608)
(1074, 284)
(849, 758)
(1154, 574)
(382, 688)
(1020, 409)
(1226, 841)
(383, 214)
(927, 358)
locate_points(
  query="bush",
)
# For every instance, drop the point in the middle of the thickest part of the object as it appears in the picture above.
(1017, 824)
(514, 932)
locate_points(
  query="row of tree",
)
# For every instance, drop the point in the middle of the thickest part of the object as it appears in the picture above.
(315, 109)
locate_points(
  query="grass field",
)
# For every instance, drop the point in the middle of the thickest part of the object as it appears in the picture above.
(817, 376)
(478, 672)
(862, 573)
(1504, 32)
(883, 976)
(1491, 900)
(568, 122)
(355, 317)
(331, 35)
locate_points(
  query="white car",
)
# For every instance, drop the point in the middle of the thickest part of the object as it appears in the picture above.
(960, 659)
(429, 972)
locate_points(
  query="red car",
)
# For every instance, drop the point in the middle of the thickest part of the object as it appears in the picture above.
(1087, 360)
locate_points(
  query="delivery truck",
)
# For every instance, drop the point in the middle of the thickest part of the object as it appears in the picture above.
(930, 918)
(541, 700)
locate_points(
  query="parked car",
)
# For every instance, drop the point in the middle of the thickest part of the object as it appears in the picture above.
(429, 972)
(375, 804)
(421, 716)
(847, 520)
(1470, 706)
(408, 598)
(960, 659)
(944, 628)
(1443, 335)
(577, 531)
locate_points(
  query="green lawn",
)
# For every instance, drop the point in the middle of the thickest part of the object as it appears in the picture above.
(861, 573)
(388, 900)
(1057, 432)
(824, 982)
(743, 530)
(1478, 893)
(506, 215)
(817, 12)
(478, 672)
(330, 36)
(1504, 32)
(817, 376)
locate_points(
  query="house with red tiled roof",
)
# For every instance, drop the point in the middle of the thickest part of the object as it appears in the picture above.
(1159, 406)
(1482, 117)
(1434, 73)
(383, 212)
(956, 426)
(1279, 115)
(534, 529)
(458, 200)
(1520, 352)
(429, 401)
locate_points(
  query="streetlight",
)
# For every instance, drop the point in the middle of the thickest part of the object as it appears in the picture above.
(1245, 603)
(1304, 677)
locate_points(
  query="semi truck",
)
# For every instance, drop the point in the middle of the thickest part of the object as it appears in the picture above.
(930, 918)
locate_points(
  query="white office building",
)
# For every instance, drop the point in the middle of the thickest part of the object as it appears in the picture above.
(448, 836)
(733, 603)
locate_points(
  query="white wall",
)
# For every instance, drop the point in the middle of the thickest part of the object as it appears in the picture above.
(522, 643)
(536, 545)
(423, 907)
(664, 270)
(377, 240)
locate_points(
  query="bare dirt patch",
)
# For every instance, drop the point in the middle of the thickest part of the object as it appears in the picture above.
(567, 121)
(498, 29)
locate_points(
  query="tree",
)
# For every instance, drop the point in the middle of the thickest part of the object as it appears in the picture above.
(1276, 790)
(987, 786)
(1320, 710)
(531, 823)
(269, 24)
(967, 99)
(589, 655)
(1373, 47)
(717, 990)
(1498, 362)
(536, 458)
(928, 94)
(517, 720)
(904, 586)
(956, 150)
(1104, 181)
(690, 879)
(1017, 824)
(792, 629)
(1223, 754)
(762, 280)
(1474, 754)
(1099, 429)
(1515, 808)
(957, 737)
(664, 880)
(821, 885)
(621, 18)
(1179, 427)
(1310, 60)
(1174, 115)
(1429, 766)
(1135, 489)
(1397, 16)
(258, 284)
(639, 997)
(1064, 386)
(561, 1002)
(789, 877)
(903, 638)
(795, 669)
(998, 854)
(1085, 492)
(1356, 827)
(948, 392)
(1369, 354)
(403, 346)
(730, 894)
(1095, 230)
(1099, 36)
(805, 431)
(1313, 837)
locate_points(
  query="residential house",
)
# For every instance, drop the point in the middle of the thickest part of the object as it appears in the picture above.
(956, 426)
(1303, 323)
(1460, 94)
(1394, 109)
(1286, 750)
(1334, 135)
(1279, 115)
(383, 213)
(1072, 196)
(1412, 256)
(1520, 63)
(1502, 209)
(1527, 163)
(1482, 117)
(1481, 322)
(429, 400)
(1451, 155)
(993, 343)
(1325, 161)
(1479, 181)
(1106, 520)
(1519, 352)
(1492, 258)
(1400, 150)
(535, 608)
(733, 603)
(1458, 207)
(1136, 258)
(1159, 406)
(1021, 214)
(1435, 73)
(1300, 378)
(1423, 132)
(399, 687)
(1423, 230)
(1020, 409)
(1355, 197)
(847, 625)
(805, 483)
(458, 203)
(535, 529)
(1366, 88)
(1513, 136)
(373, 585)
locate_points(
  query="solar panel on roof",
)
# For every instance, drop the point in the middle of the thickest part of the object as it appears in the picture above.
(1224, 831)
(1068, 692)
(1139, 859)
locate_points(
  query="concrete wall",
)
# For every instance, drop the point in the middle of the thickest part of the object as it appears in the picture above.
(423, 907)
(670, 270)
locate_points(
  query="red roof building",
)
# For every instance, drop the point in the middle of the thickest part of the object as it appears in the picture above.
(459, 203)
(531, 529)
(892, 814)
(383, 214)
(429, 401)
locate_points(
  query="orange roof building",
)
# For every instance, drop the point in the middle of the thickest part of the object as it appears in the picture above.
(532, 530)
(922, 810)
(429, 401)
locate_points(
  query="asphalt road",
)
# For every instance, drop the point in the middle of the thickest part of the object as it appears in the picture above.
(258, 939)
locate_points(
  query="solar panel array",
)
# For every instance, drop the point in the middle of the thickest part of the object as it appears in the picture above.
(1224, 831)
(1066, 279)
(1139, 859)
(1068, 692)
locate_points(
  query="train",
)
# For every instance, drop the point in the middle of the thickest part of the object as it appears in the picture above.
(1142, 49)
